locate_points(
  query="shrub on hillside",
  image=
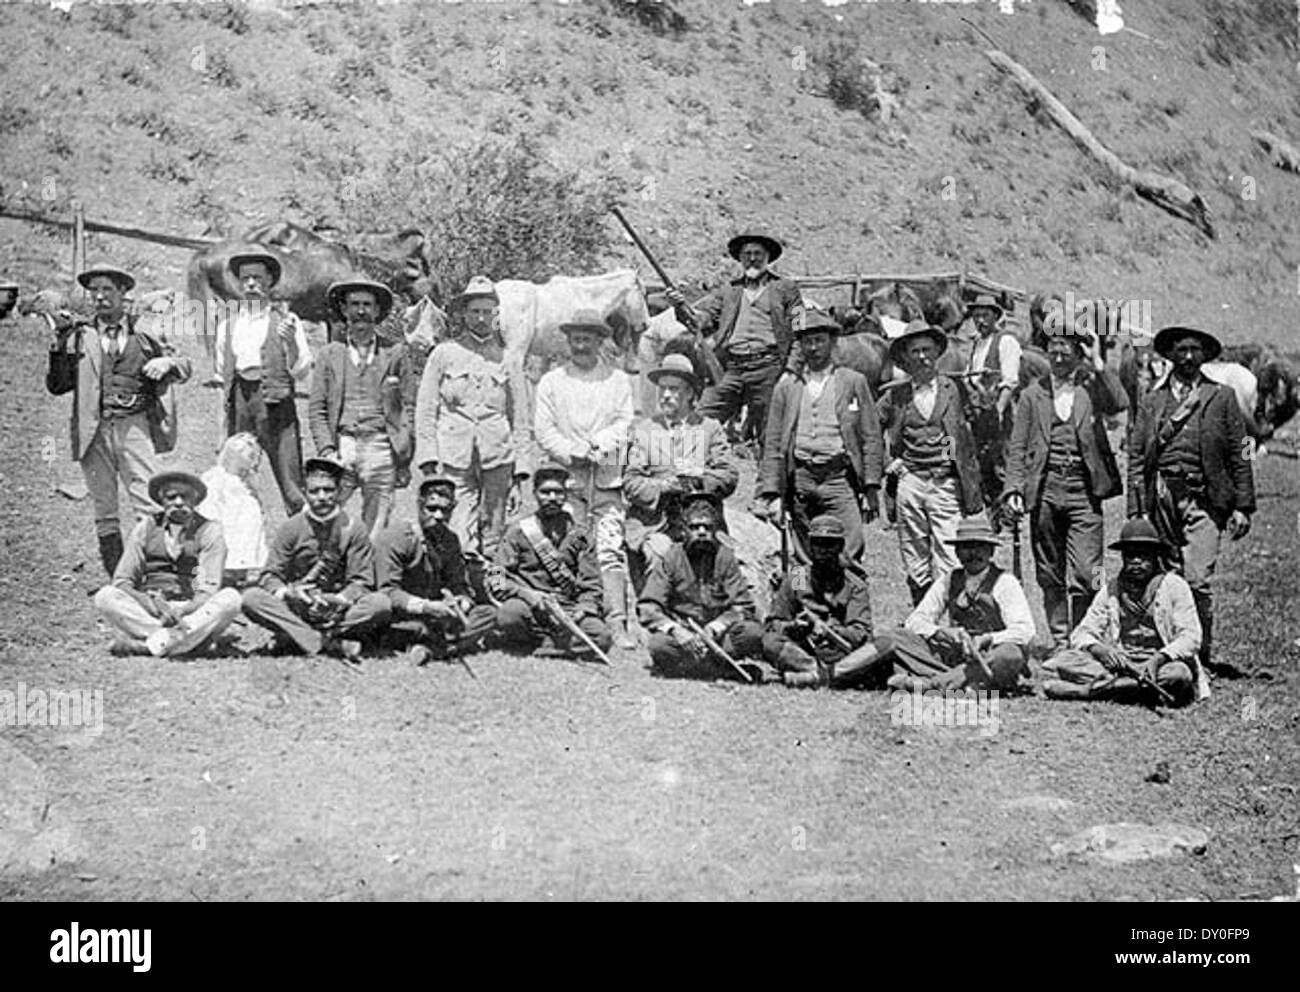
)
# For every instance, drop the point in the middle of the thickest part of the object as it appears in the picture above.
(657, 15)
(496, 207)
(855, 82)
(1239, 28)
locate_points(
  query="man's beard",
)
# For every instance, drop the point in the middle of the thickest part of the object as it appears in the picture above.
(179, 515)
(1136, 578)
(701, 545)
(550, 511)
(753, 272)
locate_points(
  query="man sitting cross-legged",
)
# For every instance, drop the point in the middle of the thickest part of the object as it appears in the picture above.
(699, 581)
(419, 567)
(1140, 629)
(547, 562)
(165, 594)
(982, 647)
(821, 611)
(317, 591)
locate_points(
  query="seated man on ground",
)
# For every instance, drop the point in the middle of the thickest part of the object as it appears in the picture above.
(547, 563)
(699, 582)
(421, 570)
(820, 612)
(984, 644)
(317, 592)
(1141, 628)
(166, 594)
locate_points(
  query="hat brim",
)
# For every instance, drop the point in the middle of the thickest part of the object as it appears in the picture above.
(604, 330)
(326, 465)
(896, 346)
(270, 261)
(122, 278)
(157, 483)
(972, 307)
(834, 330)
(1166, 337)
(1147, 543)
(436, 482)
(656, 374)
(992, 542)
(773, 246)
(383, 295)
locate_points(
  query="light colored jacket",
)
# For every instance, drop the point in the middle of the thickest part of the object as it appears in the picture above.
(1173, 610)
(574, 407)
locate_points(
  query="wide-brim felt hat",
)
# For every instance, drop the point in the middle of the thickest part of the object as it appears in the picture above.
(588, 320)
(162, 479)
(478, 288)
(985, 300)
(826, 527)
(383, 295)
(675, 365)
(327, 465)
(1166, 337)
(1139, 534)
(916, 329)
(119, 276)
(815, 321)
(266, 258)
(974, 530)
(773, 246)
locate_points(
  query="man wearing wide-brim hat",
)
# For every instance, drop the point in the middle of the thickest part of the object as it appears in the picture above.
(750, 324)
(823, 451)
(673, 453)
(1060, 468)
(1143, 621)
(931, 470)
(1191, 469)
(472, 420)
(123, 414)
(972, 629)
(583, 413)
(262, 357)
(987, 393)
(166, 596)
(362, 405)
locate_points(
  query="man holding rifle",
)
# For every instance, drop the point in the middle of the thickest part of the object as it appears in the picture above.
(546, 579)
(697, 603)
(820, 612)
(1139, 638)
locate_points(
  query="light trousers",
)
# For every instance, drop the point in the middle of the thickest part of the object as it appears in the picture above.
(368, 465)
(134, 619)
(120, 450)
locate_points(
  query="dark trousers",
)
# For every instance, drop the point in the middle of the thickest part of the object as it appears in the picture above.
(914, 655)
(745, 382)
(743, 639)
(1066, 536)
(443, 637)
(367, 614)
(518, 629)
(276, 427)
(991, 434)
(785, 654)
(826, 489)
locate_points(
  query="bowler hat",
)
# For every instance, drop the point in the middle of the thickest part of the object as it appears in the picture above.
(587, 320)
(1167, 337)
(327, 465)
(123, 278)
(162, 479)
(266, 258)
(985, 300)
(478, 288)
(383, 295)
(675, 365)
(766, 240)
(1139, 533)
(974, 530)
(826, 527)
(916, 329)
(438, 483)
(815, 321)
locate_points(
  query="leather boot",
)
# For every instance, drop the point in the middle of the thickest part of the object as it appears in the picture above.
(110, 551)
(1058, 622)
(615, 584)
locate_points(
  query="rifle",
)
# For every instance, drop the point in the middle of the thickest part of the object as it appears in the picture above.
(1136, 672)
(716, 649)
(823, 629)
(453, 604)
(785, 537)
(553, 610)
(1015, 552)
(712, 367)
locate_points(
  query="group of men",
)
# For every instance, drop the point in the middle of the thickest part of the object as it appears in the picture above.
(630, 517)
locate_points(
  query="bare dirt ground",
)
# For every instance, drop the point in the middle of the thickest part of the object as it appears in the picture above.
(280, 778)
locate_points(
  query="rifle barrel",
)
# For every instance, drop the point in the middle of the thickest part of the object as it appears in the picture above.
(717, 650)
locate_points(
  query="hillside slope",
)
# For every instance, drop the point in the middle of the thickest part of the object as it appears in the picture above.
(199, 119)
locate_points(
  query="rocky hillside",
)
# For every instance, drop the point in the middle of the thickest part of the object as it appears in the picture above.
(200, 119)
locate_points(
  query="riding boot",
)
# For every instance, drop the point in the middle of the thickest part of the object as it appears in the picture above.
(1205, 613)
(1055, 606)
(110, 551)
(615, 584)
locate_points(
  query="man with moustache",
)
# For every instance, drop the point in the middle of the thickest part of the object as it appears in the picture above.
(547, 556)
(820, 611)
(932, 468)
(358, 411)
(1060, 466)
(420, 569)
(1143, 621)
(673, 454)
(317, 591)
(262, 355)
(1190, 469)
(824, 452)
(995, 360)
(581, 421)
(165, 595)
(699, 580)
(117, 375)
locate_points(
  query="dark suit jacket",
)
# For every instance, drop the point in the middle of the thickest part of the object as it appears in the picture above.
(719, 309)
(948, 409)
(1225, 459)
(1031, 437)
(325, 407)
(859, 430)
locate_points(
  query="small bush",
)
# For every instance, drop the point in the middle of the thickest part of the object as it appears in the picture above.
(231, 16)
(854, 82)
(656, 15)
(221, 72)
(357, 77)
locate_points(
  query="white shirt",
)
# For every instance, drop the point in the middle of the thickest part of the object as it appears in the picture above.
(1007, 593)
(246, 338)
(245, 334)
(1063, 398)
(815, 382)
(1008, 358)
(574, 406)
(926, 396)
